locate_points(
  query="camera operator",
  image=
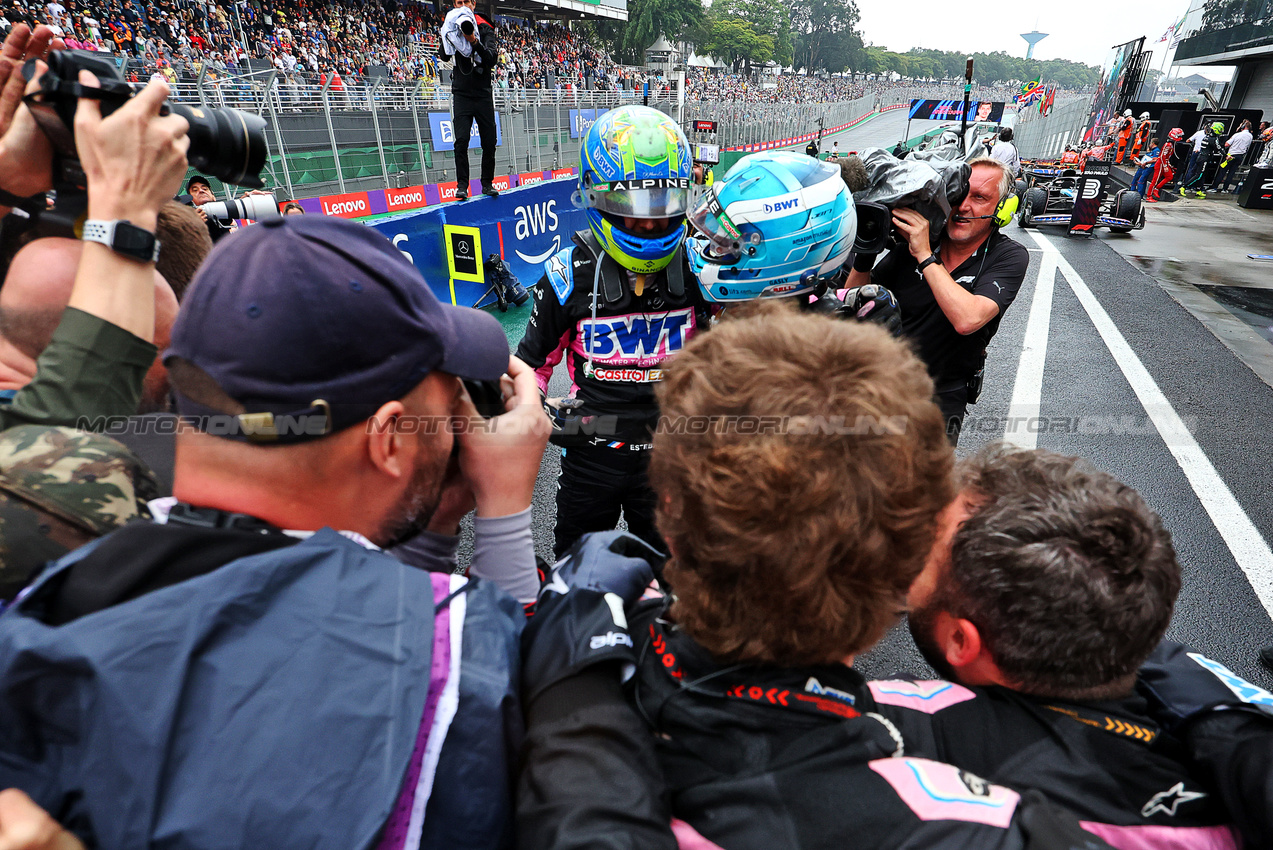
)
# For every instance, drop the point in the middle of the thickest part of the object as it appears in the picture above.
(132, 160)
(200, 191)
(952, 298)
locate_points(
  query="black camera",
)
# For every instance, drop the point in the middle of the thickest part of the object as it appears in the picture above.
(227, 143)
(875, 226)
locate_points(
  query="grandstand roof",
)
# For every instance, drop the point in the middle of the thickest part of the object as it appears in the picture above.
(616, 10)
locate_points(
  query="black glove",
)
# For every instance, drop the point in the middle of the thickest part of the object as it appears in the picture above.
(1180, 685)
(579, 619)
(873, 303)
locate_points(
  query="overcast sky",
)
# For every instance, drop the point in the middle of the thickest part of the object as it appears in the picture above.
(1079, 30)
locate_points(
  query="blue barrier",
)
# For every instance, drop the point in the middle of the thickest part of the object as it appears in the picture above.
(448, 243)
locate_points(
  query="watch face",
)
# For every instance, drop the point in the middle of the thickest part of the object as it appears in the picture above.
(133, 240)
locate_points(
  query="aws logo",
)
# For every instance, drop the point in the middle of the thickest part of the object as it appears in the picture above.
(620, 338)
(780, 206)
(535, 220)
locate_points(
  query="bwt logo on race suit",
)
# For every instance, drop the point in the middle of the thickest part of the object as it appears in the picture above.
(635, 339)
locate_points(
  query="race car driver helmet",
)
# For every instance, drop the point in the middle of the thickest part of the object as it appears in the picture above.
(1217, 129)
(774, 226)
(1176, 134)
(635, 163)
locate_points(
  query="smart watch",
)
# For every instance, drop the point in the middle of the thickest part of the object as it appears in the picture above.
(928, 261)
(123, 237)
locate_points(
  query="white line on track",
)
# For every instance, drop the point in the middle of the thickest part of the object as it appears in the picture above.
(1241, 536)
(1027, 391)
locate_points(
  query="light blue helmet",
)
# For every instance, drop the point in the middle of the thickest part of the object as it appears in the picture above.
(775, 225)
(635, 163)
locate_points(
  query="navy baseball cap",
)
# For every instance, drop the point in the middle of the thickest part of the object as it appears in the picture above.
(300, 326)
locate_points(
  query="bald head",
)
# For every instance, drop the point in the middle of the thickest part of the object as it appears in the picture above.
(38, 288)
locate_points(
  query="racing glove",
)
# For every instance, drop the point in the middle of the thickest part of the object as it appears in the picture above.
(873, 303)
(580, 618)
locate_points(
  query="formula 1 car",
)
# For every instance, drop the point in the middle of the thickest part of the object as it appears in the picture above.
(1048, 194)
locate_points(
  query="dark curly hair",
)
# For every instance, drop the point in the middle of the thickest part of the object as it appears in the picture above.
(1067, 573)
(800, 465)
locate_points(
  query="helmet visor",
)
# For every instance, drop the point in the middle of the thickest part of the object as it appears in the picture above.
(664, 197)
(711, 220)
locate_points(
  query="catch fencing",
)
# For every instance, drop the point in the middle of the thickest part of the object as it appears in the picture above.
(1045, 136)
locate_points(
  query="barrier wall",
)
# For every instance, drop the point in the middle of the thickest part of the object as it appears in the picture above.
(381, 201)
(524, 226)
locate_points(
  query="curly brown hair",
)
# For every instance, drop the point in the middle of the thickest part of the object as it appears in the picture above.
(800, 465)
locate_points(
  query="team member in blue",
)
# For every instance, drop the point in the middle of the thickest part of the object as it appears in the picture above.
(615, 304)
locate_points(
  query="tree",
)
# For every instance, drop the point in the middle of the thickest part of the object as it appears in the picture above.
(766, 20)
(736, 40)
(647, 20)
(826, 34)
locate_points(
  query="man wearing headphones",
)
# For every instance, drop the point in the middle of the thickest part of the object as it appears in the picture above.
(953, 298)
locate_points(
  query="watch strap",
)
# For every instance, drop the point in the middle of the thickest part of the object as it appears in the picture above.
(112, 233)
(928, 261)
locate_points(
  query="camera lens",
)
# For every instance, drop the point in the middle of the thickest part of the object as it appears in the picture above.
(228, 144)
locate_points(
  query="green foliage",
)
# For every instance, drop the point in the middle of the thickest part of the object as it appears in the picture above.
(988, 68)
(647, 20)
(749, 31)
(827, 37)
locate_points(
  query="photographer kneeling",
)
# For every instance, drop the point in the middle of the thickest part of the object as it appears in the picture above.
(952, 298)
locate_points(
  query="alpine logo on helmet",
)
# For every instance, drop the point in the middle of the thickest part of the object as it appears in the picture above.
(634, 168)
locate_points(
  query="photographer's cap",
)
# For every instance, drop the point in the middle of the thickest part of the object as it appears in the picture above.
(301, 326)
(197, 178)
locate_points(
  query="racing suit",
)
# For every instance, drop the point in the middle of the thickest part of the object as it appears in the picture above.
(603, 469)
(1163, 170)
(1106, 761)
(751, 758)
(1198, 168)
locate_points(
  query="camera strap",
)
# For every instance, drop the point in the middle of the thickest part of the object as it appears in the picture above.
(8, 199)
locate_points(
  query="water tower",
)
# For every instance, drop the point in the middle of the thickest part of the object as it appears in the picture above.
(1032, 38)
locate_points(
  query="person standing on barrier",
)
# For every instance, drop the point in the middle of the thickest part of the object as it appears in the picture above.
(615, 304)
(474, 100)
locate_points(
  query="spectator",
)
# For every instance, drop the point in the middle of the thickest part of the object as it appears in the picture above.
(952, 323)
(756, 724)
(293, 208)
(300, 420)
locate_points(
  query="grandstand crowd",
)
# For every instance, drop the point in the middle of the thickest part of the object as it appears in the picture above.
(245, 623)
(307, 42)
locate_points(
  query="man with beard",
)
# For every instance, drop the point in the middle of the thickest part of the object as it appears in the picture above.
(255, 636)
(791, 552)
(1049, 586)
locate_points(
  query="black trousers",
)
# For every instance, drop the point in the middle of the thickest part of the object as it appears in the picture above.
(954, 404)
(596, 483)
(464, 109)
